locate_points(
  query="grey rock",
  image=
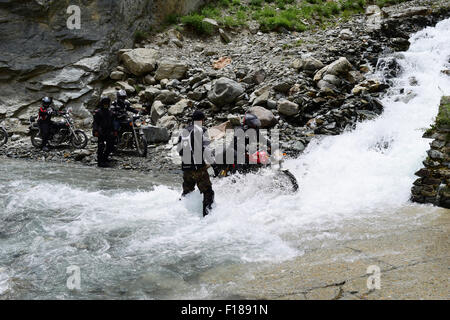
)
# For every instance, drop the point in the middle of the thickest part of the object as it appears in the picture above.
(140, 61)
(156, 134)
(288, 108)
(225, 37)
(340, 67)
(171, 69)
(117, 75)
(266, 117)
(168, 122)
(168, 97)
(225, 91)
(178, 108)
(157, 111)
(307, 64)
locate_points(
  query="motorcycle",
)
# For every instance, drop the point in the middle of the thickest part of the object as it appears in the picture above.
(131, 136)
(257, 161)
(61, 132)
(3, 136)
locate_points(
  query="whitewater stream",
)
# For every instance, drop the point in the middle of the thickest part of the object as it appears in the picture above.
(131, 237)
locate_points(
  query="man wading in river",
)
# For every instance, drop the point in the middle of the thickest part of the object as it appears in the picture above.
(191, 147)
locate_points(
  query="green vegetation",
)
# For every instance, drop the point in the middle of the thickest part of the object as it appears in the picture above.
(277, 15)
(443, 117)
(140, 35)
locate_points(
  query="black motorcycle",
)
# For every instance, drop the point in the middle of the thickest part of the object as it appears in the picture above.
(60, 132)
(131, 136)
(260, 160)
(3, 136)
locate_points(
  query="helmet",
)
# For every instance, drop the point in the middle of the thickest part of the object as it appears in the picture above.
(252, 121)
(121, 95)
(198, 115)
(105, 101)
(46, 101)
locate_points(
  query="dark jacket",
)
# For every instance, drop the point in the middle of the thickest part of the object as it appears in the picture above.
(103, 122)
(191, 139)
(45, 114)
(120, 108)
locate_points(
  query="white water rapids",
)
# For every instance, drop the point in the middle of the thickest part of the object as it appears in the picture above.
(133, 239)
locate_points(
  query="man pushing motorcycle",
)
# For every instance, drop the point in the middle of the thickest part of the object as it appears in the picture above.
(247, 148)
(45, 121)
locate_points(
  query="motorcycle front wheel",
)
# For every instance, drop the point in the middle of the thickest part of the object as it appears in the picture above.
(3, 137)
(79, 140)
(292, 179)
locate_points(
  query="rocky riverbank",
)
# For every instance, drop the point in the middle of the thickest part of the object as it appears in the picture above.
(433, 184)
(306, 85)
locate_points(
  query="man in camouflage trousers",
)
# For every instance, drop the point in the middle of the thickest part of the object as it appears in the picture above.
(191, 146)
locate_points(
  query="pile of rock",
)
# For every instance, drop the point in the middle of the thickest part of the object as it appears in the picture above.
(433, 186)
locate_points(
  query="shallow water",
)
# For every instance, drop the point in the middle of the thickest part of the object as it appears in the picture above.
(133, 239)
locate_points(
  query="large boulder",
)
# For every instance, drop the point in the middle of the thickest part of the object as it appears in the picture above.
(168, 122)
(225, 91)
(374, 18)
(266, 117)
(339, 68)
(171, 69)
(288, 108)
(155, 134)
(307, 64)
(178, 108)
(168, 97)
(157, 111)
(140, 61)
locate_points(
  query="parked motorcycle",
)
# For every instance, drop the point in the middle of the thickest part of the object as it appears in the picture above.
(131, 136)
(61, 132)
(3, 136)
(260, 160)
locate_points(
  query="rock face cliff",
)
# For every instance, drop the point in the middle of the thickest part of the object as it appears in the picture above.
(433, 184)
(40, 55)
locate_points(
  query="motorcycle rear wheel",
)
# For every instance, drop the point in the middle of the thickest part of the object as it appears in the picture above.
(3, 137)
(36, 139)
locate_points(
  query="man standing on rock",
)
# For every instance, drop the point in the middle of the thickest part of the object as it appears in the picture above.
(191, 146)
(103, 129)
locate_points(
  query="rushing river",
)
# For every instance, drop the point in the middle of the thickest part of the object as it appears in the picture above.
(132, 238)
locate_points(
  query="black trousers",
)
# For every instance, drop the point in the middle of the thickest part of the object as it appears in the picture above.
(44, 127)
(105, 147)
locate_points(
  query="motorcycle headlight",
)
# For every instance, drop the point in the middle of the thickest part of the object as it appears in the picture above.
(138, 123)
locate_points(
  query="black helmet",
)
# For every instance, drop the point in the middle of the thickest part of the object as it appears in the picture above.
(105, 101)
(121, 95)
(198, 116)
(46, 101)
(252, 121)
